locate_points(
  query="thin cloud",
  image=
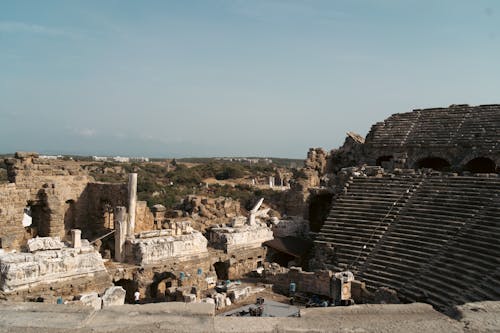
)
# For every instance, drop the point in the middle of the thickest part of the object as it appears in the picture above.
(272, 10)
(22, 27)
(85, 132)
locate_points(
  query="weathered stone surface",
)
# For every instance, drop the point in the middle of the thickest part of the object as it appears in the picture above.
(152, 250)
(113, 296)
(44, 243)
(247, 236)
(292, 226)
(91, 299)
(20, 271)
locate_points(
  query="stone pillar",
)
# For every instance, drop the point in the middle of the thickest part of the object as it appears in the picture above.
(132, 202)
(120, 221)
(76, 238)
(271, 181)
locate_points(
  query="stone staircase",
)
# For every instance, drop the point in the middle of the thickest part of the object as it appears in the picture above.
(359, 218)
(439, 243)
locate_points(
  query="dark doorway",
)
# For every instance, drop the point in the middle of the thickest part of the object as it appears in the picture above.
(385, 162)
(130, 287)
(319, 208)
(221, 269)
(69, 217)
(40, 219)
(436, 163)
(481, 165)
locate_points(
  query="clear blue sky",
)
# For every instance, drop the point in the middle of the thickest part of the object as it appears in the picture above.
(233, 78)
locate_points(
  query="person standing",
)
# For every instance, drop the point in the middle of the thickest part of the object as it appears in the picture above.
(137, 297)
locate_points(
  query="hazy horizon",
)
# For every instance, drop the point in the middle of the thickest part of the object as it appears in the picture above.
(233, 78)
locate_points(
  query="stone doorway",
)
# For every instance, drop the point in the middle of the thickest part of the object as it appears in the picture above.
(385, 162)
(481, 165)
(435, 163)
(319, 208)
(222, 270)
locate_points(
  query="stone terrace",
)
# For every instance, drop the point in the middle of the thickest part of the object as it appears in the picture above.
(437, 243)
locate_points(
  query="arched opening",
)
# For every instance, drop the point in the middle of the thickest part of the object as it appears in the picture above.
(222, 270)
(40, 218)
(130, 287)
(481, 165)
(385, 162)
(69, 217)
(436, 163)
(319, 208)
(161, 283)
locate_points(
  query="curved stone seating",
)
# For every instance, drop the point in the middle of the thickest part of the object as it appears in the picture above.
(440, 244)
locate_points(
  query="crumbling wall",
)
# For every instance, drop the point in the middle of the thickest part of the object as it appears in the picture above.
(95, 207)
(13, 200)
(144, 219)
(61, 196)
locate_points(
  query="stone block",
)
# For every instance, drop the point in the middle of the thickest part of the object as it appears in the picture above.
(91, 299)
(189, 298)
(44, 243)
(113, 296)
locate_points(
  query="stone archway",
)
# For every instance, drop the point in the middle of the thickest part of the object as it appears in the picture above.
(161, 282)
(436, 163)
(481, 165)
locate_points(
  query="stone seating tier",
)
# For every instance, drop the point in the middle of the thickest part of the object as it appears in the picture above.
(439, 243)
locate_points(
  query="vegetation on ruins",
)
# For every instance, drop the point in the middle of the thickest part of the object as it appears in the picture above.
(167, 184)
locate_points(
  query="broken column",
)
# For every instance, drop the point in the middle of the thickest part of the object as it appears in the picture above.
(120, 218)
(76, 238)
(132, 202)
(251, 218)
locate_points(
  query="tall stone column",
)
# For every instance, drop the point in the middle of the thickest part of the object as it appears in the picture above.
(76, 238)
(120, 221)
(132, 202)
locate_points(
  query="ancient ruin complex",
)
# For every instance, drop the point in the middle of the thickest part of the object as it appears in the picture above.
(408, 214)
(423, 220)
(48, 206)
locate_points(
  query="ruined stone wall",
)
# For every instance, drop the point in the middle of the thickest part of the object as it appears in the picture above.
(95, 215)
(457, 134)
(61, 196)
(318, 282)
(144, 219)
(12, 202)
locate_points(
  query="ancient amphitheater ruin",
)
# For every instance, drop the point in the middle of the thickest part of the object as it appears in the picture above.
(425, 218)
(412, 211)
